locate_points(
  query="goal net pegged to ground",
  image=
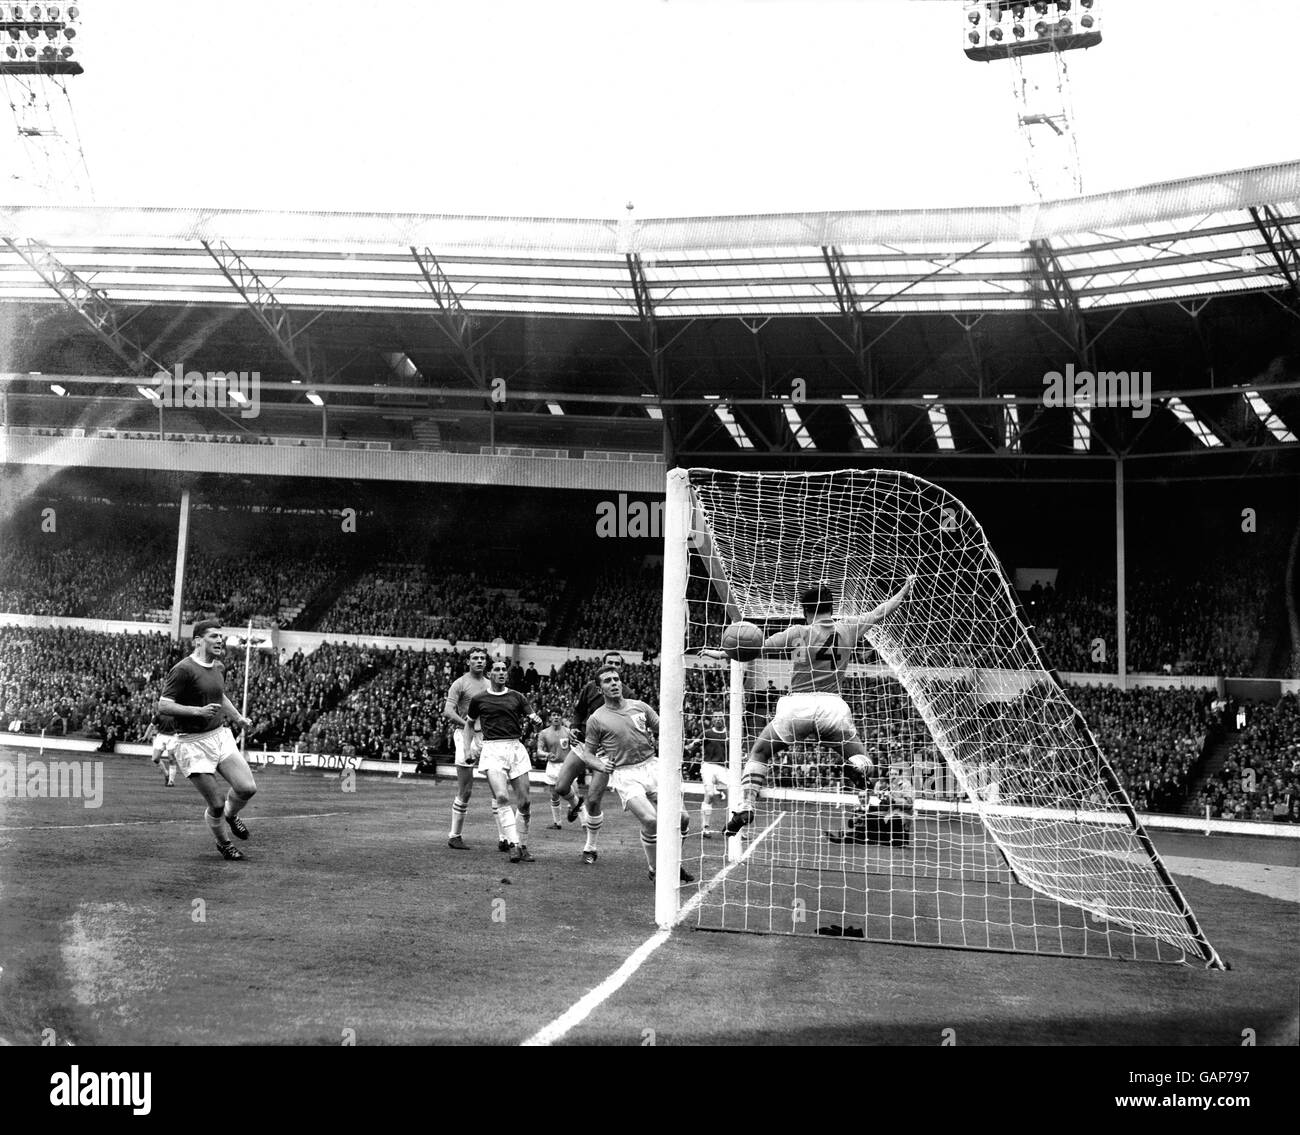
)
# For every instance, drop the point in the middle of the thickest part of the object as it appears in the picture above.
(987, 816)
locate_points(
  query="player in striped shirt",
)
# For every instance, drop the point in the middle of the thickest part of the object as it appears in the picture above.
(621, 736)
(501, 714)
(814, 710)
(553, 744)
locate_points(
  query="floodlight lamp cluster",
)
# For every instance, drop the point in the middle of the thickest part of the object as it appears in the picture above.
(38, 37)
(999, 29)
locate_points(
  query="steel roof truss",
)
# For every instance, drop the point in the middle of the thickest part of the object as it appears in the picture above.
(273, 316)
(90, 304)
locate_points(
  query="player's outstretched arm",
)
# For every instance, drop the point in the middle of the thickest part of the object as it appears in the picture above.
(889, 605)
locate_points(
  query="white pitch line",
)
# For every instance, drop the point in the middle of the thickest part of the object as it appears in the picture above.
(583, 1008)
(142, 823)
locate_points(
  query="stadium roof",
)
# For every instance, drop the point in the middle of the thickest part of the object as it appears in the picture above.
(643, 335)
(1179, 239)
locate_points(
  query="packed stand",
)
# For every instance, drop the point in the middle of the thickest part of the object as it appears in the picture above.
(1152, 738)
(431, 601)
(66, 680)
(625, 607)
(67, 582)
(1207, 623)
(1260, 779)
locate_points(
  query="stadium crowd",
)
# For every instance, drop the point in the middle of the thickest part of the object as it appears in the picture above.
(66, 581)
(625, 606)
(432, 600)
(1152, 738)
(67, 680)
(1260, 779)
(1207, 623)
(371, 702)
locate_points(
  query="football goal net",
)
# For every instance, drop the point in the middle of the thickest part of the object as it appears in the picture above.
(962, 801)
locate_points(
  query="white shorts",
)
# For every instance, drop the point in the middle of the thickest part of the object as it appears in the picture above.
(552, 774)
(632, 781)
(813, 717)
(458, 741)
(203, 752)
(715, 776)
(164, 747)
(509, 757)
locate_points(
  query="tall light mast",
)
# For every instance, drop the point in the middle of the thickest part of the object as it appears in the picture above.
(38, 56)
(1035, 38)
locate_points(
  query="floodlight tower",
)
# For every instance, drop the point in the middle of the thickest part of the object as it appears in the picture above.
(1019, 31)
(37, 58)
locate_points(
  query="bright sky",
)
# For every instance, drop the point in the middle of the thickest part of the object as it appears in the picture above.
(683, 107)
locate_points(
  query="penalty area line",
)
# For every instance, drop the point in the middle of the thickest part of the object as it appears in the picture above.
(587, 1005)
(145, 823)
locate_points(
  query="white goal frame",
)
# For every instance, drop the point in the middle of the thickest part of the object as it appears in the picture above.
(680, 510)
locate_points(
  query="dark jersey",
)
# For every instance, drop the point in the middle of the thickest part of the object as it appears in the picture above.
(191, 683)
(502, 715)
(715, 745)
(164, 723)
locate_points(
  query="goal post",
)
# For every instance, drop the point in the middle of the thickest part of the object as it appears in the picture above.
(987, 815)
(672, 691)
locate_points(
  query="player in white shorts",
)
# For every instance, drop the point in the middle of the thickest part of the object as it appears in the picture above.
(553, 744)
(814, 710)
(501, 713)
(713, 768)
(467, 747)
(193, 696)
(621, 735)
(162, 732)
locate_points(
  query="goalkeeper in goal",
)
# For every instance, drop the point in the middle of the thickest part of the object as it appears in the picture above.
(814, 709)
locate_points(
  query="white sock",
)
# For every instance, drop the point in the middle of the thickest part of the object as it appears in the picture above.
(458, 809)
(506, 818)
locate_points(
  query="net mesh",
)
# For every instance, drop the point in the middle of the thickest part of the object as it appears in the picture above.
(991, 818)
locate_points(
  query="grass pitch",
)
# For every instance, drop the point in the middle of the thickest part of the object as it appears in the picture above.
(351, 920)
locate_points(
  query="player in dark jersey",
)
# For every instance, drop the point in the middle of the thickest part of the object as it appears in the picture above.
(194, 697)
(467, 745)
(501, 714)
(713, 767)
(621, 735)
(814, 710)
(589, 700)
